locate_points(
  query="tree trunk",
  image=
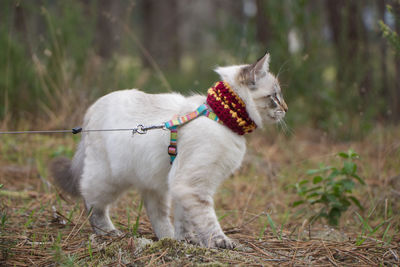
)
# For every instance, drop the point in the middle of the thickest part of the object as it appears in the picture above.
(351, 45)
(396, 92)
(107, 36)
(263, 26)
(336, 16)
(21, 26)
(384, 89)
(161, 32)
(335, 10)
(361, 49)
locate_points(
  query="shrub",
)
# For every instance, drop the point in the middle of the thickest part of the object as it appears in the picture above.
(330, 189)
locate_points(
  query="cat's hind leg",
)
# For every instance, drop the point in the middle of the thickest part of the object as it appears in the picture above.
(157, 206)
(100, 220)
(98, 194)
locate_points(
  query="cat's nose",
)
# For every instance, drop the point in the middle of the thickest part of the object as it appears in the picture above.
(284, 107)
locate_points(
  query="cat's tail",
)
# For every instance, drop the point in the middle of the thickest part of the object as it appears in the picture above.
(67, 173)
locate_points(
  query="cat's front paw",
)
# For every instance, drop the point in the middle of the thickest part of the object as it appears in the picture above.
(115, 232)
(189, 238)
(112, 232)
(219, 241)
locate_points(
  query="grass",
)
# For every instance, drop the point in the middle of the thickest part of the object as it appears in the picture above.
(368, 231)
(136, 225)
(39, 226)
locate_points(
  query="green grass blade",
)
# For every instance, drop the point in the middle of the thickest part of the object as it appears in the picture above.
(376, 228)
(261, 235)
(386, 231)
(283, 224)
(272, 225)
(136, 226)
(220, 218)
(90, 250)
(357, 202)
(365, 223)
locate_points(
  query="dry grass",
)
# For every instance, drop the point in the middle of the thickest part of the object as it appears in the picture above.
(40, 227)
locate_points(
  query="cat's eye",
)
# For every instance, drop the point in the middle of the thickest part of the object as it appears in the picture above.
(272, 96)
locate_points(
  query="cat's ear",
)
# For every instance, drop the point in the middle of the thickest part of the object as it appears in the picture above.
(261, 67)
(254, 72)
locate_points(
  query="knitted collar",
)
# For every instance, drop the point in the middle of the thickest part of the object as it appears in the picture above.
(230, 108)
(223, 105)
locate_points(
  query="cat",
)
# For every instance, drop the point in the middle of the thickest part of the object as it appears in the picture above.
(108, 163)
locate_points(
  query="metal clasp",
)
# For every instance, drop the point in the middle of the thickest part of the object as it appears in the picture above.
(140, 129)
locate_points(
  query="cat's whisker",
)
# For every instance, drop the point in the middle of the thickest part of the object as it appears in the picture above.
(195, 91)
(288, 129)
(280, 69)
(279, 126)
(283, 127)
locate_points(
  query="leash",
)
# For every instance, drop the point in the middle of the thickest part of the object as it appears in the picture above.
(140, 129)
(172, 125)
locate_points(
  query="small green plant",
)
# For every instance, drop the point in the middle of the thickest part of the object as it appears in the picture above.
(368, 231)
(3, 219)
(272, 224)
(220, 218)
(70, 260)
(57, 250)
(90, 250)
(135, 227)
(331, 189)
(30, 220)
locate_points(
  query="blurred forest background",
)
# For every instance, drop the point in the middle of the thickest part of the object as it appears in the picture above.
(338, 73)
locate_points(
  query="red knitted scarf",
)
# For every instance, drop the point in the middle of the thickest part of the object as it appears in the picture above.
(230, 108)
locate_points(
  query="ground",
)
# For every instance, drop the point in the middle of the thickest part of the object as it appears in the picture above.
(41, 226)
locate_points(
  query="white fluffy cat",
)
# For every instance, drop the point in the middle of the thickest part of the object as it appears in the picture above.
(108, 163)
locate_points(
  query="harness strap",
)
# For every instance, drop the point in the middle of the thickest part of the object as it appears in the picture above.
(172, 148)
(172, 125)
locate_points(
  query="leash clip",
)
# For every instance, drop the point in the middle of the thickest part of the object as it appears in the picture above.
(140, 129)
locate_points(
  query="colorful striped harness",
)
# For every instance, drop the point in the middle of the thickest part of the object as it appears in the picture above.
(172, 125)
(222, 105)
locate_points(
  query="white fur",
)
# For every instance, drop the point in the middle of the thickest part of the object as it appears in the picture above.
(208, 152)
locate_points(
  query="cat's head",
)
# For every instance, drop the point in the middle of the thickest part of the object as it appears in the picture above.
(258, 88)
